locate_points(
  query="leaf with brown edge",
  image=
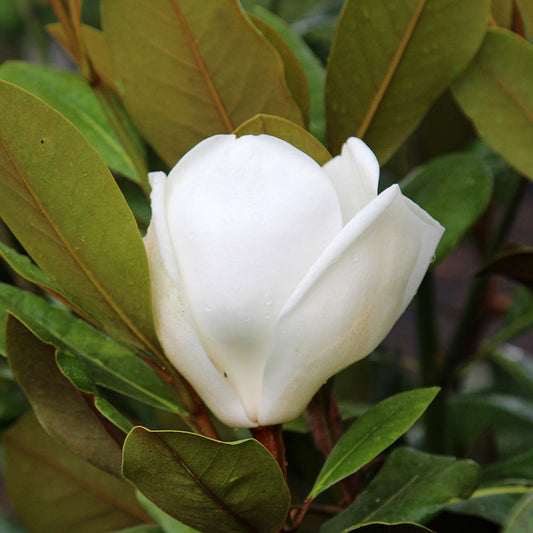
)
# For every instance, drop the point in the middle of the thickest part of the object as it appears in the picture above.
(55, 491)
(68, 414)
(496, 93)
(374, 86)
(294, 74)
(207, 484)
(194, 69)
(63, 205)
(288, 131)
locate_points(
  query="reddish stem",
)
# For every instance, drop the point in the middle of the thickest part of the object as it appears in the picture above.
(271, 437)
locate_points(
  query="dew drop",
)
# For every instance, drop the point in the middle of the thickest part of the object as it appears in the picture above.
(207, 309)
(355, 258)
(267, 316)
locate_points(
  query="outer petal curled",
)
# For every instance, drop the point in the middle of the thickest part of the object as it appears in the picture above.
(173, 324)
(348, 301)
(355, 175)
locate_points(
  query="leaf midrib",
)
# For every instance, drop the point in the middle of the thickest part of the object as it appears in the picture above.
(213, 92)
(387, 78)
(222, 505)
(85, 271)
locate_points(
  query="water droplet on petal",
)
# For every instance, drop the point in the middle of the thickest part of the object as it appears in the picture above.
(355, 258)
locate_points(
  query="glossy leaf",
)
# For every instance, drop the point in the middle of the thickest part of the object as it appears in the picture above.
(454, 189)
(167, 523)
(374, 89)
(502, 12)
(492, 502)
(184, 79)
(23, 266)
(288, 131)
(64, 207)
(515, 263)
(294, 75)
(68, 415)
(381, 527)
(70, 95)
(55, 491)
(412, 486)
(111, 365)
(207, 484)
(521, 516)
(510, 416)
(372, 433)
(500, 103)
(311, 65)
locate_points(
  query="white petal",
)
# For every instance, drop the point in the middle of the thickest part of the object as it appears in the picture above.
(355, 175)
(173, 325)
(247, 218)
(348, 301)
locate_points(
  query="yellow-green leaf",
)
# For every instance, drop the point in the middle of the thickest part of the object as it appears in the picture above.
(193, 69)
(63, 205)
(496, 93)
(391, 60)
(288, 131)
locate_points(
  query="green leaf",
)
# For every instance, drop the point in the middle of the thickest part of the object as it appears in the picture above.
(294, 75)
(500, 103)
(65, 208)
(511, 418)
(502, 12)
(167, 523)
(207, 484)
(374, 86)
(288, 131)
(381, 527)
(516, 469)
(55, 491)
(412, 486)
(70, 95)
(68, 415)
(515, 263)
(516, 364)
(492, 503)
(110, 364)
(521, 516)
(23, 266)
(184, 77)
(311, 65)
(141, 529)
(454, 189)
(372, 433)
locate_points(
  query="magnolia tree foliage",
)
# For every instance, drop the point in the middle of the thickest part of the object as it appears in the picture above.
(202, 350)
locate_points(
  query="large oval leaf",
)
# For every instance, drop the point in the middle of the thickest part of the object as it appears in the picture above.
(110, 365)
(372, 433)
(65, 208)
(72, 97)
(496, 93)
(55, 491)
(195, 68)
(207, 484)
(68, 415)
(411, 487)
(374, 86)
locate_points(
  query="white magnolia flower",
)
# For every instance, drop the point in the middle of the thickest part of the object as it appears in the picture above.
(270, 273)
